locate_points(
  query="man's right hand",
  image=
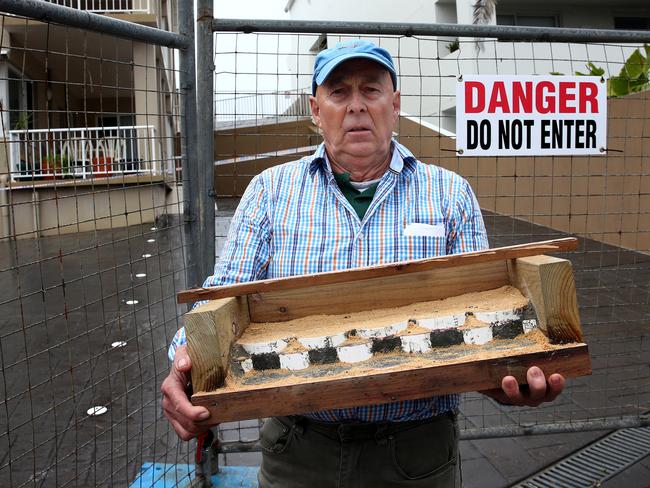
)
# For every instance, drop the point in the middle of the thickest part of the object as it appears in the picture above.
(188, 421)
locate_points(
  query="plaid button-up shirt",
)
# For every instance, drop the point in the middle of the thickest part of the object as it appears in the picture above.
(293, 220)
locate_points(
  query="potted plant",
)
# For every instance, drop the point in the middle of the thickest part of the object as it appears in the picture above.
(57, 164)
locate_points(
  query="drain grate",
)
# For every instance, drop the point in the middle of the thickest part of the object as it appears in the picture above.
(595, 463)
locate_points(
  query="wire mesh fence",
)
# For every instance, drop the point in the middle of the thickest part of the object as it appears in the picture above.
(601, 199)
(93, 249)
(94, 246)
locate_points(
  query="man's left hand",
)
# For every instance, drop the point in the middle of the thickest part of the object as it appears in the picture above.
(539, 389)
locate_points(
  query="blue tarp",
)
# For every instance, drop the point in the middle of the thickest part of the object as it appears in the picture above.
(161, 475)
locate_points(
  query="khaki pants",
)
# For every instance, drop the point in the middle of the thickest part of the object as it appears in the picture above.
(298, 453)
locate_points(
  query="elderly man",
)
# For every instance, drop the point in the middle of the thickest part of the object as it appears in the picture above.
(347, 206)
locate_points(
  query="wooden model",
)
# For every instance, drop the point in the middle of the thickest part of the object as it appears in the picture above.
(380, 334)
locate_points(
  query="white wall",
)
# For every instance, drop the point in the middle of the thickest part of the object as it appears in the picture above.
(5, 45)
(4, 96)
(246, 64)
(375, 11)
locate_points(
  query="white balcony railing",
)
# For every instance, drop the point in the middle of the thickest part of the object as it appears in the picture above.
(251, 106)
(86, 152)
(106, 6)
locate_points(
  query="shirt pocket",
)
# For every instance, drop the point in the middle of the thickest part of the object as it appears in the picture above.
(423, 240)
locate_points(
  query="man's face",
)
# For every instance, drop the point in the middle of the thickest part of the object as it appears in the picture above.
(356, 109)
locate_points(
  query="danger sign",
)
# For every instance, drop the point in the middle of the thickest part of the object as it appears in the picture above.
(530, 115)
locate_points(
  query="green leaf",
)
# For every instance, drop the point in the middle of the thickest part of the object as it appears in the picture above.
(595, 70)
(618, 86)
(635, 64)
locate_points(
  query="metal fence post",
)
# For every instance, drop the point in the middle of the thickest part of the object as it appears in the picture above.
(189, 143)
(205, 131)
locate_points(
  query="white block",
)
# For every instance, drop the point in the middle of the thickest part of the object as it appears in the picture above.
(477, 335)
(354, 353)
(441, 323)
(529, 325)
(383, 331)
(416, 343)
(498, 316)
(294, 361)
(278, 345)
(322, 341)
(247, 365)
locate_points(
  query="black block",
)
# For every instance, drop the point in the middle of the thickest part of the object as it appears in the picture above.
(324, 355)
(508, 329)
(267, 360)
(387, 344)
(446, 338)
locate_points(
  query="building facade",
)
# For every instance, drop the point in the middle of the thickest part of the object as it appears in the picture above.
(428, 66)
(80, 109)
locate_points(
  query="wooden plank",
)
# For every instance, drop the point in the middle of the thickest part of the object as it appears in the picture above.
(548, 282)
(321, 393)
(453, 260)
(210, 331)
(384, 292)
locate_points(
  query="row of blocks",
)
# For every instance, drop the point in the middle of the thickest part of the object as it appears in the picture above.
(359, 345)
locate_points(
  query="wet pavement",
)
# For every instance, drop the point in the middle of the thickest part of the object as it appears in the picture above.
(85, 321)
(67, 304)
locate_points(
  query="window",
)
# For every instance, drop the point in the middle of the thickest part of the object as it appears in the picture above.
(527, 20)
(632, 23)
(20, 101)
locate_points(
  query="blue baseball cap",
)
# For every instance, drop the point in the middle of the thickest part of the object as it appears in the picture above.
(328, 59)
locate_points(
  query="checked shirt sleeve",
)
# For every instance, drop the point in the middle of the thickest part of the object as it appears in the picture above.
(245, 255)
(467, 227)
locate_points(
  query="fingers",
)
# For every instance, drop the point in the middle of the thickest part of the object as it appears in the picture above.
(536, 386)
(537, 391)
(556, 384)
(177, 403)
(187, 420)
(182, 363)
(511, 391)
(181, 431)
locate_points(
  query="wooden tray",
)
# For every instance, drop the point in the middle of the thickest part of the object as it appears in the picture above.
(546, 281)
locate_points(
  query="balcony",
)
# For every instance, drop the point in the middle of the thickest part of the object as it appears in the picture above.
(107, 6)
(83, 153)
(281, 105)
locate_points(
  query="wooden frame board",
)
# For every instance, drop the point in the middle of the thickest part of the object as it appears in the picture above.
(546, 281)
(409, 384)
(380, 271)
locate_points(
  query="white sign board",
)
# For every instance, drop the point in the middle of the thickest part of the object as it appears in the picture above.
(530, 115)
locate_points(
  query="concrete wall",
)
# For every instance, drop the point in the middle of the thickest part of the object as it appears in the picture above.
(263, 138)
(243, 152)
(51, 210)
